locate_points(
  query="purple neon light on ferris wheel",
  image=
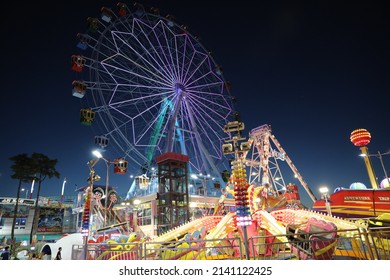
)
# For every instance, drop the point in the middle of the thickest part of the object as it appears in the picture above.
(155, 88)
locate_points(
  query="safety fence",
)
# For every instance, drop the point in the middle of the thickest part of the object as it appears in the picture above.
(373, 244)
(212, 249)
(379, 239)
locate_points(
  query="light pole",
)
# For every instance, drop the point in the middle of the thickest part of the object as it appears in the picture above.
(62, 191)
(87, 211)
(136, 206)
(324, 191)
(108, 163)
(204, 179)
(32, 188)
(23, 189)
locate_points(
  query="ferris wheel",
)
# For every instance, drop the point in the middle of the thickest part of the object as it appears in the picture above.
(152, 88)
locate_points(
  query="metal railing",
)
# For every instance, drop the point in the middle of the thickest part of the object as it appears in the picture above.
(373, 244)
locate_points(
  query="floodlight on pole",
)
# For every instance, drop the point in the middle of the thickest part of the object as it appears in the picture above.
(62, 191)
(324, 191)
(32, 188)
(99, 155)
(86, 218)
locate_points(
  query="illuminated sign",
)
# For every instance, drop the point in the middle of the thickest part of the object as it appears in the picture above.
(357, 198)
(10, 200)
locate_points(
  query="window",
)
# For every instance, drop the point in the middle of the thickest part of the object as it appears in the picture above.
(23, 221)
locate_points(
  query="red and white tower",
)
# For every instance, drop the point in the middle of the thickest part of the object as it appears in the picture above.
(264, 162)
(361, 138)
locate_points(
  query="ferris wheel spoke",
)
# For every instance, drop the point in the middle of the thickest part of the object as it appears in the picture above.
(188, 68)
(188, 56)
(177, 63)
(145, 99)
(121, 124)
(107, 66)
(129, 89)
(199, 79)
(170, 48)
(149, 108)
(122, 54)
(131, 97)
(192, 148)
(200, 116)
(112, 94)
(212, 90)
(213, 84)
(116, 50)
(180, 53)
(206, 125)
(164, 48)
(207, 118)
(205, 107)
(205, 155)
(152, 123)
(169, 39)
(129, 105)
(141, 57)
(183, 66)
(164, 57)
(104, 72)
(215, 107)
(204, 60)
(155, 51)
(146, 71)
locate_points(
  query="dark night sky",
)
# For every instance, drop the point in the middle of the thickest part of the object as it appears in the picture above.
(314, 70)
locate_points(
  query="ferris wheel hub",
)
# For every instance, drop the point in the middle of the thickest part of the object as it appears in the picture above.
(179, 88)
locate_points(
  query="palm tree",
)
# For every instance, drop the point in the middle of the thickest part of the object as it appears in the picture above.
(43, 167)
(23, 171)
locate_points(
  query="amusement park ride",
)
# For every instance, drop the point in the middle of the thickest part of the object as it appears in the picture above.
(151, 87)
(157, 93)
(359, 203)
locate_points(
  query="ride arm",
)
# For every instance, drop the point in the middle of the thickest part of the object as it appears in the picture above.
(370, 170)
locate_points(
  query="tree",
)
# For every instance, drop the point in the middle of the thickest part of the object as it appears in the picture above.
(24, 172)
(43, 167)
